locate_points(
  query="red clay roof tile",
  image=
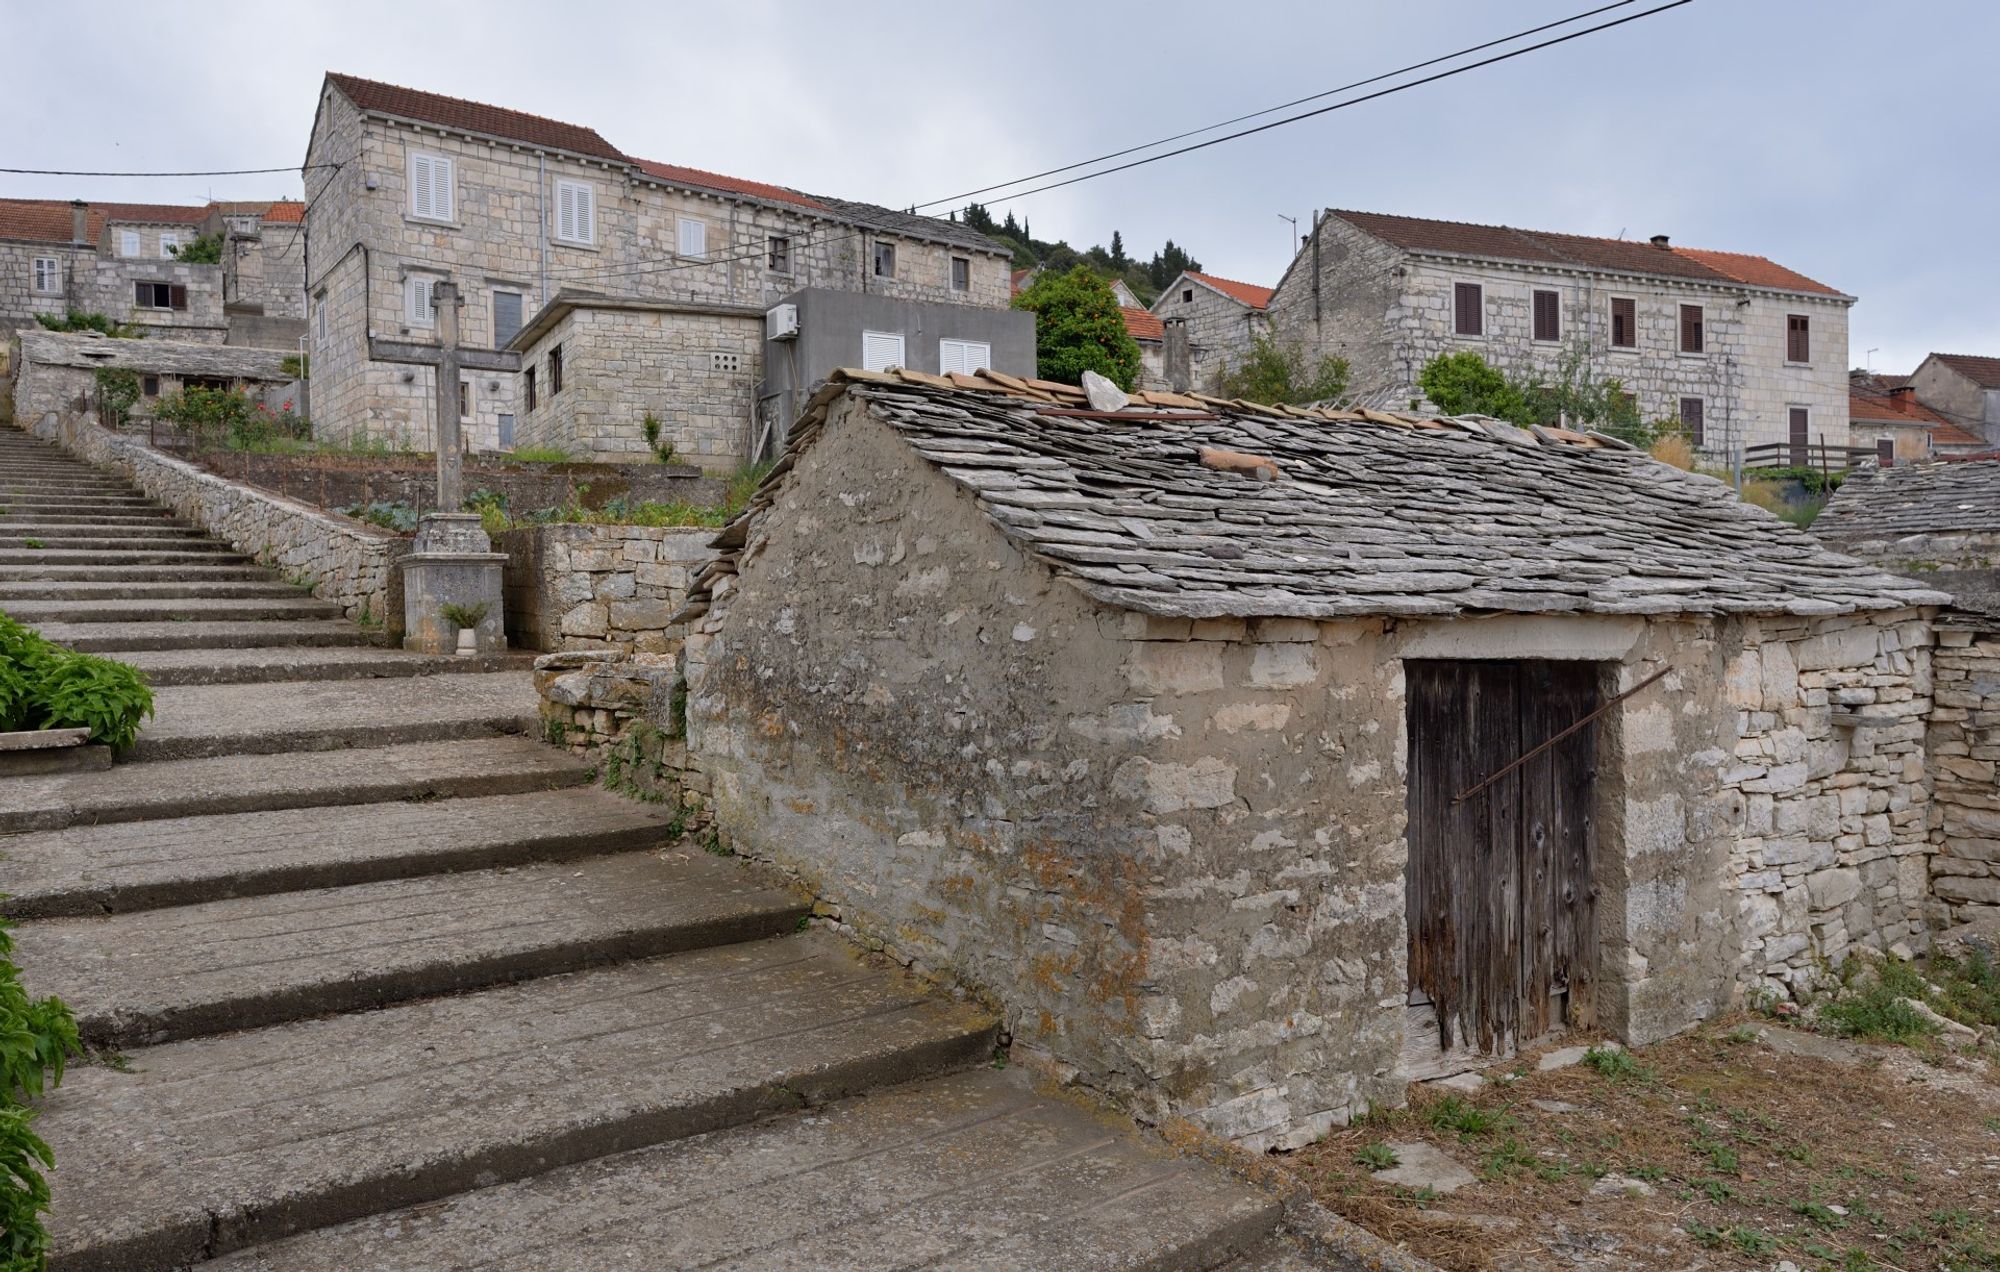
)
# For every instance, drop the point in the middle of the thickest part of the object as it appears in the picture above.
(679, 175)
(1983, 371)
(1248, 293)
(473, 117)
(1142, 325)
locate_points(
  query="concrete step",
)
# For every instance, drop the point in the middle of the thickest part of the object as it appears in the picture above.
(12, 486)
(131, 528)
(13, 591)
(258, 719)
(162, 975)
(175, 610)
(225, 785)
(41, 569)
(214, 1144)
(258, 666)
(71, 554)
(68, 513)
(115, 638)
(973, 1170)
(101, 539)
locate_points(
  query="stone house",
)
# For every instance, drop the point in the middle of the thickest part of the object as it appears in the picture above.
(1884, 412)
(1189, 734)
(1222, 315)
(1740, 351)
(1965, 389)
(411, 188)
(1150, 335)
(114, 259)
(263, 270)
(56, 372)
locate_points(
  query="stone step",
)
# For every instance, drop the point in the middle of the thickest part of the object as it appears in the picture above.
(50, 590)
(101, 539)
(116, 638)
(87, 487)
(257, 666)
(69, 554)
(70, 513)
(174, 610)
(161, 975)
(157, 532)
(192, 721)
(972, 1170)
(41, 570)
(210, 1145)
(228, 786)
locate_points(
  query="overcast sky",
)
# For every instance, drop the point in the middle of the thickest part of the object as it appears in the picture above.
(1853, 142)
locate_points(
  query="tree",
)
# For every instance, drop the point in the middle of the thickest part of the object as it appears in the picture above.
(1170, 263)
(204, 250)
(1118, 258)
(978, 218)
(1078, 328)
(1463, 384)
(1275, 372)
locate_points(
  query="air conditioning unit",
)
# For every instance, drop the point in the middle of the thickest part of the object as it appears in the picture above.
(781, 322)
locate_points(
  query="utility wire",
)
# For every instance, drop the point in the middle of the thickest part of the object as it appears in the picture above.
(1299, 101)
(1352, 101)
(218, 172)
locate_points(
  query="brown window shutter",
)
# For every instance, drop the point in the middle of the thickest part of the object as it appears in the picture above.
(1691, 419)
(1798, 338)
(1548, 316)
(1469, 305)
(1800, 436)
(1691, 329)
(1885, 452)
(141, 294)
(178, 296)
(1624, 322)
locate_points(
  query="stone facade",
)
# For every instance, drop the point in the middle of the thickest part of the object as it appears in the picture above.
(1220, 328)
(1964, 747)
(1965, 390)
(1388, 311)
(58, 370)
(580, 587)
(21, 300)
(368, 250)
(263, 258)
(346, 561)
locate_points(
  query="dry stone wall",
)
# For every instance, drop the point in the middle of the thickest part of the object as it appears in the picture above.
(1964, 743)
(579, 587)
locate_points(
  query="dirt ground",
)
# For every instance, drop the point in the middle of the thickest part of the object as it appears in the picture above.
(1745, 1144)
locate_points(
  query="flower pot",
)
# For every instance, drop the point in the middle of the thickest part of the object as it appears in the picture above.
(468, 642)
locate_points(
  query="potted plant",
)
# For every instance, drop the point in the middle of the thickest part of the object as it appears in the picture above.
(466, 618)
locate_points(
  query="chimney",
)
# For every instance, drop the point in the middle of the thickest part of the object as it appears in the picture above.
(1174, 356)
(79, 221)
(1904, 392)
(1660, 241)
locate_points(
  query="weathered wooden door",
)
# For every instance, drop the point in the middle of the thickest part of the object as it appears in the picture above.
(1500, 898)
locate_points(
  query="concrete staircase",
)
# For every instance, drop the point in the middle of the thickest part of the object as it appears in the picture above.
(387, 985)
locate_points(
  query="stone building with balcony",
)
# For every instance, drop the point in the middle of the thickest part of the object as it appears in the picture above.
(410, 189)
(1743, 352)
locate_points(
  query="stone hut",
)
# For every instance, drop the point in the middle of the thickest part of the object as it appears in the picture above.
(1920, 519)
(1256, 760)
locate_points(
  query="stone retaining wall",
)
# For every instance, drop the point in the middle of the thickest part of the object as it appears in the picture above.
(1964, 742)
(625, 713)
(599, 587)
(347, 561)
(338, 481)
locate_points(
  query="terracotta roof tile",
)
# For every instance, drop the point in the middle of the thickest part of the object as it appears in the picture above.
(286, 212)
(1983, 371)
(678, 175)
(1950, 434)
(38, 220)
(1141, 324)
(152, 213)
(1864, 403)
(1248, 293)
(1501, 242)
(473, 117)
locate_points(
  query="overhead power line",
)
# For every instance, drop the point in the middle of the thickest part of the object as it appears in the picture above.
(1297, 101)
(214, 172)
(1352, 101)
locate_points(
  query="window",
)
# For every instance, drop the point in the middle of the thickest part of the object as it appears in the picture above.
(780, 257)
(961, 273)
(576, 212)
(319, 310)
(150, 385)
(1691, 421)
(1799, 435)
(881, 350)
(694, 238)
(528, 387)
(465, 399)
(1624, 322)
(1798, 338)
(418, 310)
(885, 260)
(159, 296)
(430, 187)
(128, 242)
(964, 356)
(48, 275)
(1187, 295)
(1691, 333)
(169, 244)
(1468, 309)
(1548, 316)
(1885, 452)
(506, 431)
(555, 370)
(506, 317)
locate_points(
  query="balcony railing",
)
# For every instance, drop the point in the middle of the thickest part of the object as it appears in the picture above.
(1826, 458)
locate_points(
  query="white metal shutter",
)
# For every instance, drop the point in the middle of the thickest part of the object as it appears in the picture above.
(128, 242)
(417, 301)
(881, 350)
(576, 212)
(694, 238)
(964, 356)
(430, 187)
(168, 244)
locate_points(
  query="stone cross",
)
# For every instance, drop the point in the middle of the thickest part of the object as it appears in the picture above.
(450, 457)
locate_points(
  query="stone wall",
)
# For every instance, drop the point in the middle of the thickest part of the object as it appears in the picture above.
(573, 587)
(1922, 556)
(347, 562)
(1964, 744)
(20, 302)
(110, 292)
(1219, 329)
(624, 713)
(339, 481)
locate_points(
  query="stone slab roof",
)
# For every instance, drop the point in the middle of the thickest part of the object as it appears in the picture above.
(1369, 513)
(1950, 497)
(1540, 247)
(151, 357)
(910, 225)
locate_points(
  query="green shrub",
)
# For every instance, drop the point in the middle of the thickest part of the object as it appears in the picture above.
(74, 321)
(1275, 372)
(1078, 328)
(541, 455)
(1463, 384)
(37, 1039)
(397, 516)
(206, 249)
(297, 365)
(118, 390)
(44, 686)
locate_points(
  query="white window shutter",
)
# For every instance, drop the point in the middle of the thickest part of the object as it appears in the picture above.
(565, 210)
(881, 350)
(694, 238)
(586, 215)
(441, 188)
(417, 301)
(420, 186)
